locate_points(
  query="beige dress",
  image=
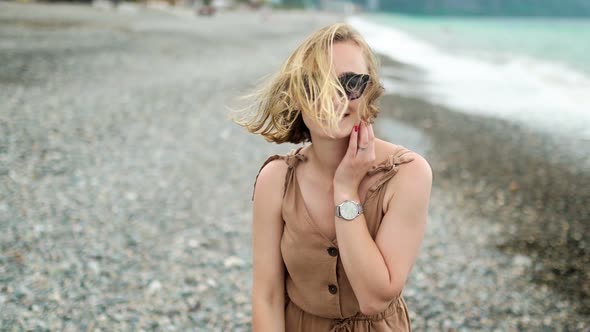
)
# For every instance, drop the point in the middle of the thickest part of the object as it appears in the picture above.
(319, 296)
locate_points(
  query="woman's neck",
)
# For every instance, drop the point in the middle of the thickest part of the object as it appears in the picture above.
(326, 155)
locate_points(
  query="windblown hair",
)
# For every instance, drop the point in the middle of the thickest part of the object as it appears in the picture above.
(307, 83)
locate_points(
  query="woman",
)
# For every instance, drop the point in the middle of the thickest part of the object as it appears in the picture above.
(337, 223)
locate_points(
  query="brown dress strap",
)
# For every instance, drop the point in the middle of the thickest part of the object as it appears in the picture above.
(390, 166)
(292, 159)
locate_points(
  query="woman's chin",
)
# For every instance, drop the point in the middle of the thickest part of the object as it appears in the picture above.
(344, 129)
(344, 132)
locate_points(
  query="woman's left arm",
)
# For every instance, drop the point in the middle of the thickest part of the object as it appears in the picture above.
(378, 269)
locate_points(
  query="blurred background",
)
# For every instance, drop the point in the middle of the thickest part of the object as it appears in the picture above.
(125, 190)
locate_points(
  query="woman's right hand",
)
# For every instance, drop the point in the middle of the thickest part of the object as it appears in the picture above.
(357, 161)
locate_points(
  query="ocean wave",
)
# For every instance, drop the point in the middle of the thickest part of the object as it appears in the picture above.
(548, 96)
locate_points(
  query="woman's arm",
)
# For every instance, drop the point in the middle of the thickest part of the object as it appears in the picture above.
(377, 270)
(268, 282)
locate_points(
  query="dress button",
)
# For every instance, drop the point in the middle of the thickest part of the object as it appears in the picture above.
(333, 251)
(333, 289)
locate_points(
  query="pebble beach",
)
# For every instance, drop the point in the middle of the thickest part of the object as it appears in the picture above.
(125, 189)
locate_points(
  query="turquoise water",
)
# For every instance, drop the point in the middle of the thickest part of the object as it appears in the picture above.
(532, 71)
(562, 41)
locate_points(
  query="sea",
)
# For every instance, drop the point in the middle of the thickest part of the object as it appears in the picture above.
(533, 71)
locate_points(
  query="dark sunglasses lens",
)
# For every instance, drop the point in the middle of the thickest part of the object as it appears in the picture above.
(354, 85)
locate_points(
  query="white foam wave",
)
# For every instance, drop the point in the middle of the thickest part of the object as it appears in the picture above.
(547, 96)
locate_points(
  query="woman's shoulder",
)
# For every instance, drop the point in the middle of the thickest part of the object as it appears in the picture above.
(273, 167)
(399, 153)
(412, 171)
(272, 173)
(278, 163)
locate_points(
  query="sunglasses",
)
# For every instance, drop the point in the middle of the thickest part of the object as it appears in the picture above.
(354, 84)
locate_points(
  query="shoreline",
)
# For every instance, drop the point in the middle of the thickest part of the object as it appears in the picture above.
(514, 177)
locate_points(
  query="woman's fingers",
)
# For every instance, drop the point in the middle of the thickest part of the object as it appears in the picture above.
(352, 143)
(371, 133)
(363, 136)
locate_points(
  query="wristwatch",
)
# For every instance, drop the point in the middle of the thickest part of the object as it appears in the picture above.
(348, 210)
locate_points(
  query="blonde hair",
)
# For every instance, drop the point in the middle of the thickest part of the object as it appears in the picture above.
(307, 83)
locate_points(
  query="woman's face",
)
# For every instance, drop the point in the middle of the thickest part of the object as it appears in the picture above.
(347, 57)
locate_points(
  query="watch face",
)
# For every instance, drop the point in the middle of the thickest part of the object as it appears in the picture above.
(348, 210)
